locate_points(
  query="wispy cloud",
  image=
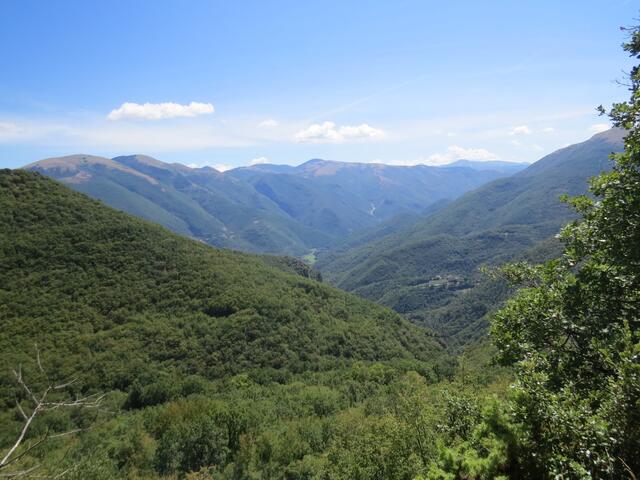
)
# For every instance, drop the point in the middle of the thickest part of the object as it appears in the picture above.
(330, 132)
(362, 100)
(599, 127)
(456, 152)
(9, 130)
(258, 161)
(90, 133)
(520, 130)
(453, 153)
(222, 167)
(159, 111)
(268, 123)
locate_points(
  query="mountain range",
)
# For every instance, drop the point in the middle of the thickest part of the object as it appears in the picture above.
(428, 269)
(80, 277)
(268, 208)
(208, 357)
(225, 364)
(410, 238)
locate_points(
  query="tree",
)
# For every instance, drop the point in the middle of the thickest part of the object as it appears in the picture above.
(572, 330)
(47, 399)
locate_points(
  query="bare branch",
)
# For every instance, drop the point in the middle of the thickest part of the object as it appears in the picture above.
(24, 415)
(7, 458)
(18, 474)
(39, 362)
(65, 385)
(40, 405)
(28, 449)
(628, 469)
(84, 402)
(64, 434)
(18, 375)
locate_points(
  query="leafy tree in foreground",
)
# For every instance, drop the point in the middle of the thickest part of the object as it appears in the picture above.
(572, 331)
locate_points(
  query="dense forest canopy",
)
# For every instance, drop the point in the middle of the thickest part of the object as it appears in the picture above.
(573, 332)
(133, 352)
(430, 270)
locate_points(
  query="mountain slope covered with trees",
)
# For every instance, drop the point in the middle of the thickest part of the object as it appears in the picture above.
(266, 208)
(429, 269)
(129, 308)
(184, 361)
(71, 264)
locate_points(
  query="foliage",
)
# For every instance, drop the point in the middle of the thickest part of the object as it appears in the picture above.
(91, 283)
(572, 332)
(222, 365)
(505, 220)
(215, 361)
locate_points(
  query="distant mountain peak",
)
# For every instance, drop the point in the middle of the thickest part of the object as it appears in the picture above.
(613, 135)
(498, 165)
(145, 160)
(265, 208)
(75, 168)
(315, 162)
(319, 167)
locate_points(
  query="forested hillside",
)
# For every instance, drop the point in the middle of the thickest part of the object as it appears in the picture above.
(429, 270)
(266, 208)
(438, 305)
(129, 308)
(73, 265)
(199, 203)
(137, 353)
(340, 198)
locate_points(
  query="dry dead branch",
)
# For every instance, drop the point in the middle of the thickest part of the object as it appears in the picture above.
(40, 403)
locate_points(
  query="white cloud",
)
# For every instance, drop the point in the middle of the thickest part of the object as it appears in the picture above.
(319, 132)
(268, 123)
(548, 130)
(455, 152)
(361, 131)
(330, 132)
(193, 165)
(258, 161)
(452, 154)
(521, 130)
(159, 111)
(9, 130)
(222, 167)
(599, 127)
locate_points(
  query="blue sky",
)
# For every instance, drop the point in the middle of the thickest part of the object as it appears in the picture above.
(231, 83)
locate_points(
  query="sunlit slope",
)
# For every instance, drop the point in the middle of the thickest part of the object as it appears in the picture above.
(265, 208)
(429, 270)
(116, 297)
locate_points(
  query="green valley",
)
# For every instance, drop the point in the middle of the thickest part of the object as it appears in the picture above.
(454, 296)
(266, 208)
(508, 219)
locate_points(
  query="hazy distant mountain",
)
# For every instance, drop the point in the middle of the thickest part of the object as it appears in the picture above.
(341, 198)
(496, 165)
(264, 208)
(201, 203)
(429, 269)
